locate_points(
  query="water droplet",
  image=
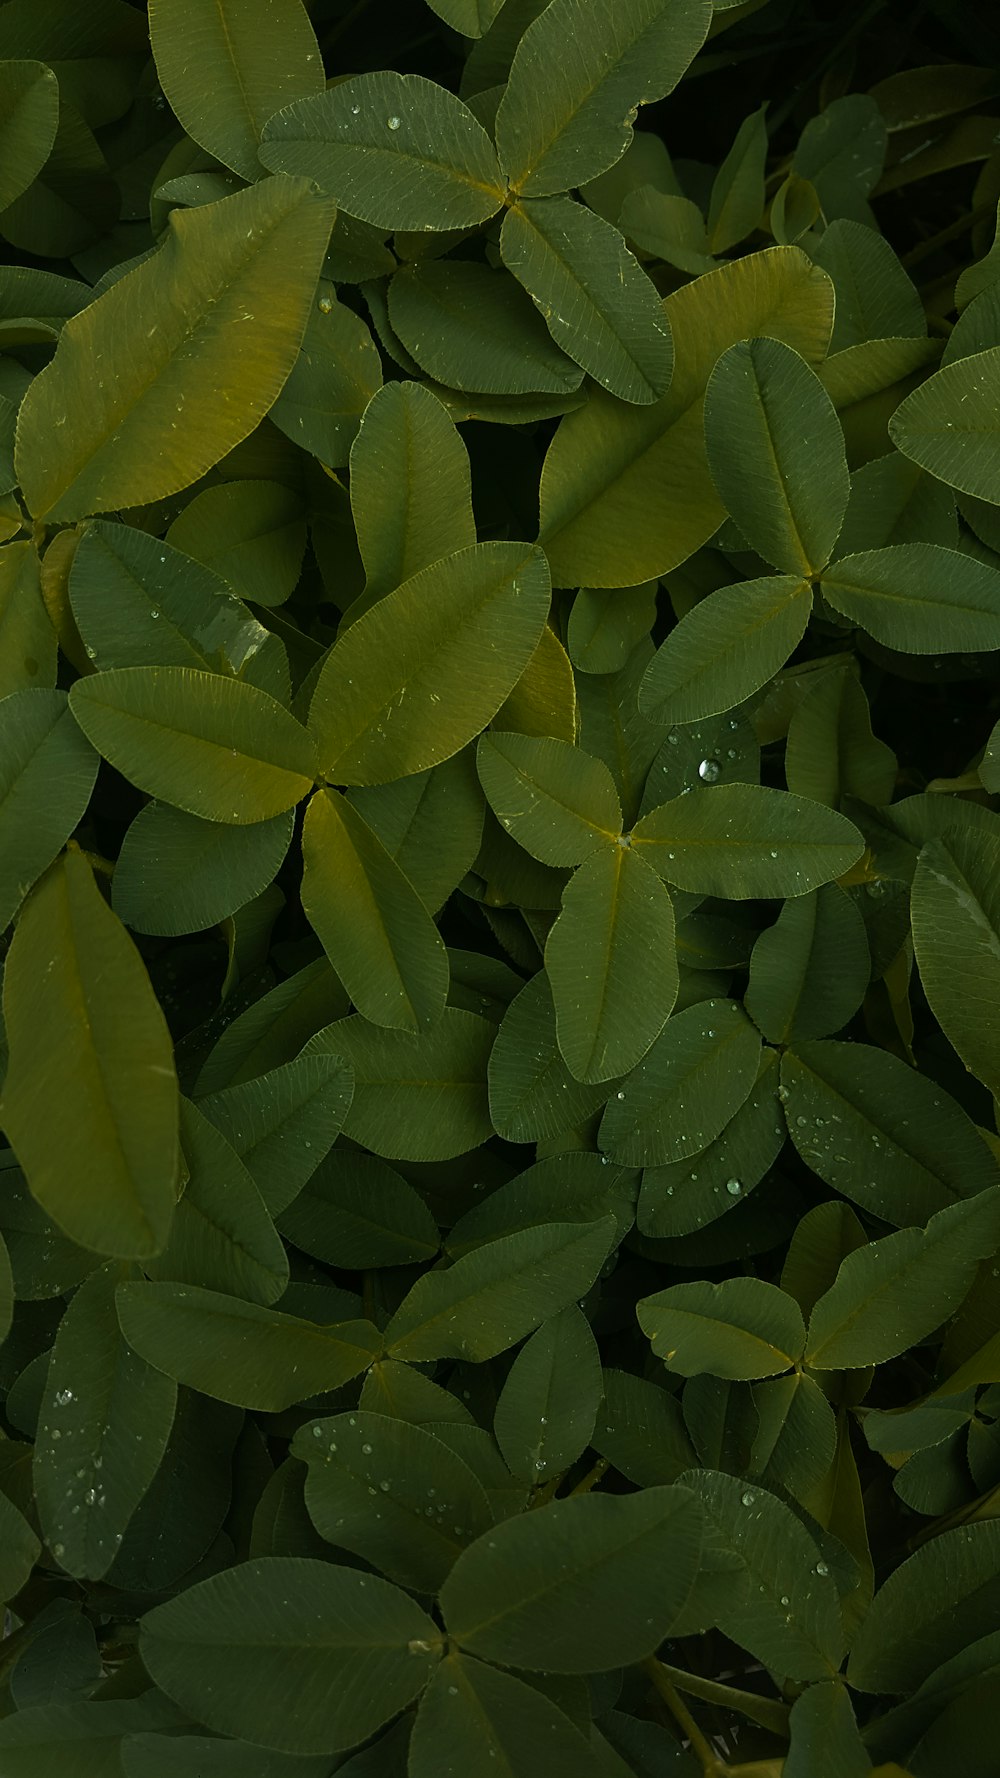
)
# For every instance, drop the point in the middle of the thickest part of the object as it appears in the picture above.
(734, 1187)
(784, 1598)
(619, 1095)
(318, 1432)
(325, 305)
(748, 1498)
(709, 771)
(63, 1396)
(801, 1122)
(539, 1462)
(331, 1447)
(453, 1691)
(393, 122)
(543, 1420)
(821, 1568)
(90, 1497)
(774, 854)
(384, 1487)
(58, 1549)
(366, 1450)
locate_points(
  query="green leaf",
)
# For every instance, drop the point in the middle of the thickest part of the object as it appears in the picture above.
(252, 534)
(177, 873)
(575, 1186)
(830, 751)
(937, 1603)
(215, 747)
(473, 328)
(949, 424)
(356, 1212)
(237, 1351)
(918, 597)
(411, 489)
(742, 1329)
(809, 971)
(29, 116)
(27, 637)
(694, 1078)
(626, 493)
(173, 337)
(955, 909)
(6, 1291)
(472, 1713)
(282, 1124)
(892, 1293)
(176, 1756)
(225, 72)
(336, 374)
(472, 17)
(418, 1097)
(288, 1652)
(20, 1551)
(776, 453)
(103, 1427)
(499, 1293)
(612, 964)
(47, 774)
(556, 801)
(222, 1236)
(685, 1195)
(668, 227)
(431, 823)
(547, 1408)
(273, 1029)
(562, 118)
(780, 1601)
(395, 694)
(139, 602)
(580, 1585)
(533, 1095)
(895, 501)
(875, 297)
(428, 1505)
(606, 624)
(641, 1431)
(880, 1133)
(597, 301)
(87, 1735)
(725, 648)
(394, 149)
(371, 921)
(741, 841)
(91, 1070)
(737, 201)
(824, 1733)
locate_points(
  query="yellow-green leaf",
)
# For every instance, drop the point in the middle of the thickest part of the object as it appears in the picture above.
(216, 747)
(396, 694)
(626, 492)
(226, 68)
(177, 361)
(90, 1101)
(369, 918)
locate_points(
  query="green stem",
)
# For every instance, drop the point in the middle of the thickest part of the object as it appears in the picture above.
(592, 1477)
(767, 1712)
(712, 1766)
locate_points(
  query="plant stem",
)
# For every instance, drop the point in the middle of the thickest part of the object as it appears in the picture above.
(767, 1712)
(592, 1477)
(711, 1765)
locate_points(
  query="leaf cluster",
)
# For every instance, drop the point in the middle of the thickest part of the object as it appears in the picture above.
(499, 889)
